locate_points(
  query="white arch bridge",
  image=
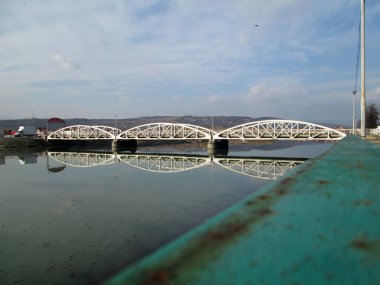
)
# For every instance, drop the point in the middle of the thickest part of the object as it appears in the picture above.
(257, 167)
(258, 130)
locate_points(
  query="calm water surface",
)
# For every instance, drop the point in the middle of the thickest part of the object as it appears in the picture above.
(64, 223)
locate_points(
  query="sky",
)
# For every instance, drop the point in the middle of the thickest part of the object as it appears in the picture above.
(291, 59)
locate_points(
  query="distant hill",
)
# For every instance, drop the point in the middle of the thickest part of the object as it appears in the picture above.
(220, 122)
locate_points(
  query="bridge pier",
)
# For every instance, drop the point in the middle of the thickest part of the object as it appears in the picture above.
(217, 147)
(213, 144)
(118, 144)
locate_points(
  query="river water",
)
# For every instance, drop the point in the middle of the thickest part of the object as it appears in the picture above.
(79, 217)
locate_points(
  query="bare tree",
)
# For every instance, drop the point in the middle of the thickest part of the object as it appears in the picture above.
(372, 116)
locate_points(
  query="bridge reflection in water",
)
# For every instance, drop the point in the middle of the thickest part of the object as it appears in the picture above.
(257, 167)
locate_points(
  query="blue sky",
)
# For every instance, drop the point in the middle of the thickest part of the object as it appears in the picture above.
(97, 59)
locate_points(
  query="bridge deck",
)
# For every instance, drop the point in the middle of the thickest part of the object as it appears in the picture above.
(319, 225)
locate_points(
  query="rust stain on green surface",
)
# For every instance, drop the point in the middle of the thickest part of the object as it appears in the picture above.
(364, 202)
(363, 244)
(158, 277)
(323, 182)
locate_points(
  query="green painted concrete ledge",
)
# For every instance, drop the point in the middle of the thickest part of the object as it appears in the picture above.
(317, 225)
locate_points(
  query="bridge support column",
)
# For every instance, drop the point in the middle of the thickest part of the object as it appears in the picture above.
(217, 147)
(124, 144)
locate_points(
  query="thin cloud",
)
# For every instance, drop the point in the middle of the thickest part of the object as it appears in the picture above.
(204, 53)
(64, 63)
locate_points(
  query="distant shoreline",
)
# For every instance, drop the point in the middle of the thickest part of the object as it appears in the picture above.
(126, 123)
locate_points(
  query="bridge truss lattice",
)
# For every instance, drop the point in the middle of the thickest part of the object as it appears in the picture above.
(166, 131)
(259, 130)
(83, 132)
(280, 130)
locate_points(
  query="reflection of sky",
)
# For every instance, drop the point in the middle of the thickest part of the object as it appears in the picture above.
(82, 224)
(266, 149)
(302, 150)
(78, 225)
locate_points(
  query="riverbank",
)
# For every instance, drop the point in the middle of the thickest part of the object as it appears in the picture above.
(374, 139)
(21, 142)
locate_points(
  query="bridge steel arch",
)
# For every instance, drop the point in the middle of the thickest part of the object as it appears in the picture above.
(83, 132)
(280, 130)
(166, 131)
(111, 130)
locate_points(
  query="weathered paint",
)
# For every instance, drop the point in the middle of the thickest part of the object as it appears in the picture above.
(318, 225)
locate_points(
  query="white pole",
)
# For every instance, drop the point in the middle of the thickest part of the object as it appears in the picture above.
(362, 52)
(212, 125)
(353, 113)
(212, 122)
